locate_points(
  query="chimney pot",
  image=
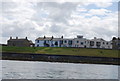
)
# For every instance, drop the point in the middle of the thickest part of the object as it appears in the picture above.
(16, 37)
(52, 37)
(10, 37)
(62, 37)
(95, 38)
(44, 37)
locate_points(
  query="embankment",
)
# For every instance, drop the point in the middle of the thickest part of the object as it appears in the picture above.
(60, 58)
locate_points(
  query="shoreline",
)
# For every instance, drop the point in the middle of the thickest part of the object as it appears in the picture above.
(59, 58)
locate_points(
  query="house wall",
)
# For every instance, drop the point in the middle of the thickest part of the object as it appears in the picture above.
(76, 42)
(53, 43)
(39, 43)
(24, 43)
(66, 43)
(103, 44)
(79, 43)
(50, 42)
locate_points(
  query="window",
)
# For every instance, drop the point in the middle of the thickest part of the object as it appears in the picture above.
(118, 44)
(45, 42)
(82, 43)
(107, 43)
(37, 41)
(88, 42)
(65, 41)
(56, 43)
(91, 43)
(76, 45)
(61, 42)
(77, 41)
(103, 43)
(98, 43)
(38, 45)
(70, 42)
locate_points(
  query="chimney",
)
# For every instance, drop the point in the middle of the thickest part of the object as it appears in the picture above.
(10, 37)
(95, 38)
(16, 37)
(79, 36)
(25, 37)
(44, 37)
(52, 37)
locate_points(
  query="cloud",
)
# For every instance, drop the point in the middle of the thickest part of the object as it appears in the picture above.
(56, 12)
(103, 4)
(99, 11)
(18, 12)
(104, 27)
(34, 19)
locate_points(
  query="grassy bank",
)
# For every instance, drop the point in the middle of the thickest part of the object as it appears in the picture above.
(63, 51)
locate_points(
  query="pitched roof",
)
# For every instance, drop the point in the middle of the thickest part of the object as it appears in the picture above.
(48, 38)
(18, 39)
(42, 38)
(57, 39)
(22, 39)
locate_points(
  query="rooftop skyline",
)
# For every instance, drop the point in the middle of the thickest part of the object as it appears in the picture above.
(36, 19)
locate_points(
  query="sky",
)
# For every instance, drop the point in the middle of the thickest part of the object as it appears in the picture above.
(58, 18)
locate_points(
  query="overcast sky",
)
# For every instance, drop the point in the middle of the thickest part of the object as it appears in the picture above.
(34, 19)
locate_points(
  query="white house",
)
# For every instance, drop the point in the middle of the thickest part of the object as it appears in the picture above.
(48, 42)
(80, 42)
(67, 43)
(100, 43)
(75, 42)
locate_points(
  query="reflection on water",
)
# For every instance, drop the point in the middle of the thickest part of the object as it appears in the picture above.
(53, 70)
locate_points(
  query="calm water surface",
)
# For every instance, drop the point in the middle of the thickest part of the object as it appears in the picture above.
(53, 70)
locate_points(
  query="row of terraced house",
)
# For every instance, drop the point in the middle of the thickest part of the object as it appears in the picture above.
(79, 41)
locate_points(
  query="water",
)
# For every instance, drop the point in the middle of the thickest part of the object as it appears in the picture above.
(53, 70)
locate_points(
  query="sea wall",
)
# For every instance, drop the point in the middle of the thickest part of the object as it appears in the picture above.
(59, 58)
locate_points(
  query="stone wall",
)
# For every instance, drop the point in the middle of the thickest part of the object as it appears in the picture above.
(60, 58)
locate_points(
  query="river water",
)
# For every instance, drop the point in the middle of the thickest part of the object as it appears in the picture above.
(54, 70)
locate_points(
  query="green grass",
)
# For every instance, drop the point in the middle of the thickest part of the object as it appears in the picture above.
(63, 51)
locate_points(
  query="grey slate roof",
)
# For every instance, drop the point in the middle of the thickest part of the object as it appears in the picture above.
(48, 38)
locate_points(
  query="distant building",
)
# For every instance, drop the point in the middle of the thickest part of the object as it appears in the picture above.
(20, 42)
(100, 43)
(80, 42)
(75, 42)
(116, 43)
